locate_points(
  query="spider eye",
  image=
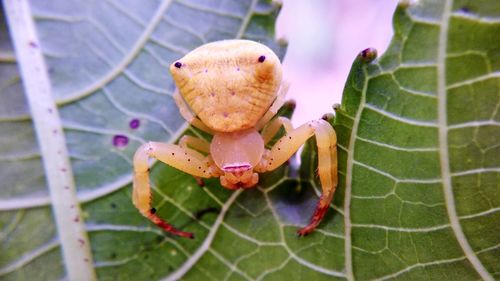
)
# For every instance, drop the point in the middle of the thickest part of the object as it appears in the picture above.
(262, 58)
(178, 64)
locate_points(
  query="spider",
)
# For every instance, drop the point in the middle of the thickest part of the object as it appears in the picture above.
(232, 89)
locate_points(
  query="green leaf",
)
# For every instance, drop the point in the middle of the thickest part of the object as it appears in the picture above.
(418, 133)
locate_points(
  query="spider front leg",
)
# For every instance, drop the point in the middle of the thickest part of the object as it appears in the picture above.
(273, 127)
(326, 142)
(277, 104)
(188, 115)
(194, 142)
(182, 158)
(198, 144)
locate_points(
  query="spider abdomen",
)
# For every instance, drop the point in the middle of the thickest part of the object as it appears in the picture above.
(229, 84)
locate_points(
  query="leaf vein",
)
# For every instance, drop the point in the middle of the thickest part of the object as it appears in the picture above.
(444, 149)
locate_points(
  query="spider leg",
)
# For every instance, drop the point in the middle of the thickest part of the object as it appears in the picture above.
(184, 159)
(277, 104)
(273, 127)
(188, 115)
(326, 142)
(194, 142)
(198, 144)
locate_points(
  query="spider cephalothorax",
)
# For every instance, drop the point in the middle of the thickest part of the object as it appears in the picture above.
(233, 89)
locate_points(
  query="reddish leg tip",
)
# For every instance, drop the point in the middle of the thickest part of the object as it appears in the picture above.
(304, 231)
(318, 215)
(180, 233)
(168, 227)
(184, 234)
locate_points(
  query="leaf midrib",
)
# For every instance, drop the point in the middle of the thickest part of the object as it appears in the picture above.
(66, 210)
(443, 146)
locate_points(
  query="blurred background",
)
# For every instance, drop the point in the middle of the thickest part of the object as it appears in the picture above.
(324, 37)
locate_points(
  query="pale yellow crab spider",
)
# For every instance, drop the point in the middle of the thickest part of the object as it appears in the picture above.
(232, 90)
